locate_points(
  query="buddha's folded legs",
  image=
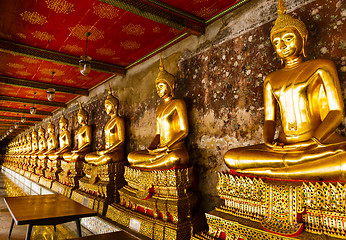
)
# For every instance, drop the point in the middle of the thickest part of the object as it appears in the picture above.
(144, 159)
(261, 156)
(96, 159)
(329, 168)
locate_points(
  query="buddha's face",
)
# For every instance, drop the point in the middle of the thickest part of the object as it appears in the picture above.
(62, 126)
(162, 89)
(81, 119)
(109, 108)
(50, 130)
(287, 43)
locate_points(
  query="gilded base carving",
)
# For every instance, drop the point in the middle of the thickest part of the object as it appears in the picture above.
(98, 204)
(41, 167)
(282, 207)
(53, 169)
(103, 181)
(46, 182)
(35, 178)
(27, 174)
(153, 228)
(62, 189)
(33, 164)
(72, 172)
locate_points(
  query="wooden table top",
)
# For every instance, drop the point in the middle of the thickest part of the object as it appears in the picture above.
(50, 209)
(121, 235)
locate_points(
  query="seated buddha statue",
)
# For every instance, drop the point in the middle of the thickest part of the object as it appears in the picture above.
(28, 148)
(167, 149)
(64, 140)
(83, 138)
(34, 150)
(113, 150)
(311, 108)
(42, 147)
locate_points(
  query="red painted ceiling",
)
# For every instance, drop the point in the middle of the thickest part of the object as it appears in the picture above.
(118, 37)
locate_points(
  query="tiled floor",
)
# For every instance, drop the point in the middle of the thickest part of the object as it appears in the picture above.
(63, 231)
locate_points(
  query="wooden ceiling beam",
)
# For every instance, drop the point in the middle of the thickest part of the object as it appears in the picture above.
(19, 118)
(17, 110)
(42, 85)
(32, 101)
(56, 57)
(12, 123)
(161, 13)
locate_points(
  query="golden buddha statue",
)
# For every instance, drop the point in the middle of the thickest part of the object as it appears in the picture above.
(167, 149)
(113, 150)
(83, 138)
(311, 108)
(42, 146)
(26, 154)
(34, 150)
(64, 140)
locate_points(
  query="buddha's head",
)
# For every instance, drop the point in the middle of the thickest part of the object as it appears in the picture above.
(50, 128)
(41, 132)
(82, 115)
(111, 103)
(28, 137)
(63, 123)
(34, 135)
(164, 82)
(288, 34)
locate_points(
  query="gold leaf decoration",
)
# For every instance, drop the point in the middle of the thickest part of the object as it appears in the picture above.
(84, 78)
(199, 1)
(115, 58)
(48, 71)
(105, 51)
(30, 60)
(60, 6)
(73, 48)
(175, 31)
(79, 32)
(205, 12)
(156, 30)
(130, 45)
(106, 11)
(16, 65)
(34, 18)
(46, 79)
(70, 81)
(21, 35)
(23, 73)
(133, 29)
(43, 36)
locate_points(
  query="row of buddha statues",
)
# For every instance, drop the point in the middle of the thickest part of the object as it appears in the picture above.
(306, 94)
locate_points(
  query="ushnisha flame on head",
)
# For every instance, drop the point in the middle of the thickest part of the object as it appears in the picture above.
(284, 20)
(81, 111)
(111, 99)
(40, 131)
(63, 120)
(165, 77)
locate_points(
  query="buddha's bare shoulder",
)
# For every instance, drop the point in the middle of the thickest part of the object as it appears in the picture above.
(319, 63)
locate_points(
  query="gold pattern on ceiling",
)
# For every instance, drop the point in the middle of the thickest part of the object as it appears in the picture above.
(43, 36)
(199, 1)
(21, 35)
(105, 51)
(23, 73)
(156, 30)
(48, 71)
(46, 79)
(30, 60)
(16, 65)
(106, 11)
(73, 48)
(205, 12)
(79, 32)
(84, 78)
(175, 31)
(34, 18)
(70, 81)
(130, 45)
(60, 6)
(133, 29)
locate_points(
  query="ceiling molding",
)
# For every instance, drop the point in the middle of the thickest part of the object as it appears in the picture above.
(19, 110)
(42, 85)
(28, 101)
(161, 13)
(43, 54)
(19, 118)
(11, 123)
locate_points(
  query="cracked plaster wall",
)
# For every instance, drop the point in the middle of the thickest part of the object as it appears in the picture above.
(220, 76)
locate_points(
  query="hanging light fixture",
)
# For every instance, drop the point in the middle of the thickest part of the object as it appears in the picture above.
(33, 109)
(51, 91)
(22, 119)
(84, 63)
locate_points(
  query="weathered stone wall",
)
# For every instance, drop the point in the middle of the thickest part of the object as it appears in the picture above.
(220, 76)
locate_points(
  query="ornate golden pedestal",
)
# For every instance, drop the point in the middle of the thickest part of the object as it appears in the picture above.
(102, 182)
(53, 169)
(33, 163)
(62, 189)
(41, 166)
(158, 203)
(256, 208)
(72, 172)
